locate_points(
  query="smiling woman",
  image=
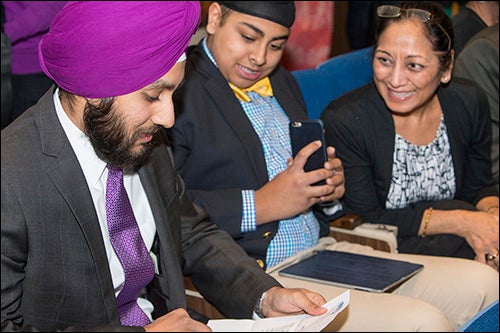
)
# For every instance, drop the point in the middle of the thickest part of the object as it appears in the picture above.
(416, 144)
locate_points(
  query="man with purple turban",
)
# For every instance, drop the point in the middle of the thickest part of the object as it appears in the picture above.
(97, 230)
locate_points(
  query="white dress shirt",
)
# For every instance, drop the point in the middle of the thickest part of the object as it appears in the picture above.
(96, 174)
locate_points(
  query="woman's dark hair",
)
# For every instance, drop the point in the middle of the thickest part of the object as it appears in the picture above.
(439, 29)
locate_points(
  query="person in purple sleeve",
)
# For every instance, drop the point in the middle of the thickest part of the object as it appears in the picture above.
(26, 23)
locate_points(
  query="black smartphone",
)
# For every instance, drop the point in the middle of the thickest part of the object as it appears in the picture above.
(304, 132)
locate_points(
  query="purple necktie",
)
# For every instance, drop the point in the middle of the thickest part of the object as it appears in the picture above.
(130, 249)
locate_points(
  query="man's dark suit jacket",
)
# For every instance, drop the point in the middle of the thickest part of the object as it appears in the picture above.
(217, 151)
(55, 274)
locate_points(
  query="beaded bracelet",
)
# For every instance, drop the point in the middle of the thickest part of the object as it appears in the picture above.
(426, 222)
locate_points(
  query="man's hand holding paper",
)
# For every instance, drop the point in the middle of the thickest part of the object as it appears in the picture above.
(297, 323)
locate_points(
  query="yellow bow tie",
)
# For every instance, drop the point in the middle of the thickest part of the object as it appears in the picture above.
(261, 87)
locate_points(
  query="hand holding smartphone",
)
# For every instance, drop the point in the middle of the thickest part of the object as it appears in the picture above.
(304, 132)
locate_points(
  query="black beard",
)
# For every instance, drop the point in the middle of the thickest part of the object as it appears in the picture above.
(108, 137)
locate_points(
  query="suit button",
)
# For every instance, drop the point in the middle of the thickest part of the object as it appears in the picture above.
(266, 234)
(261, 263)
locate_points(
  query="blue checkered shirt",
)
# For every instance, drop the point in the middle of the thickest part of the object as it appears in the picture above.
(271, 125)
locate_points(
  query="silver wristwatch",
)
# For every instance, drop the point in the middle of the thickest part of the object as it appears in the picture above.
(258, 306)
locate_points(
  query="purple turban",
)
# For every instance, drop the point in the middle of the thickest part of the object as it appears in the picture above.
(99, 49)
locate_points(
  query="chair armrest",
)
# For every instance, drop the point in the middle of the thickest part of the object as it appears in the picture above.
(196, 301)
(347, 221)
(350, 228)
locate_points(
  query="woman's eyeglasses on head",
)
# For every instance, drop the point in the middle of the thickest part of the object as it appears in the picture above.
(420, 15)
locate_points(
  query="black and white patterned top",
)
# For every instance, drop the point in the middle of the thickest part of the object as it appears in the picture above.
(421, 173)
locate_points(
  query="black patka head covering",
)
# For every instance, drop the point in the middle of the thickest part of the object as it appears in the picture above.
(281, 12)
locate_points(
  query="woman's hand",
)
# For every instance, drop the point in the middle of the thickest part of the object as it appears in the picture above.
(482, 235)
(337, 179)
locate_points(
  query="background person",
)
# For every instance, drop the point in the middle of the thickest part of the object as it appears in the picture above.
(472, 17)
(478, 62)
(26, 23)
(6, 75)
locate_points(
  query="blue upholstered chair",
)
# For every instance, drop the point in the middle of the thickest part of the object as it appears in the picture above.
(329, 80)
(484, 321)
(334, 77)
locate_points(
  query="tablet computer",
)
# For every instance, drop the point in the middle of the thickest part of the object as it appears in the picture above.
(354, 271)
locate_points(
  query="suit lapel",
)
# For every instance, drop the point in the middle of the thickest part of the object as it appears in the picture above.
(222, 95)
(163, 191)
(293, 106)
(242, 128)
(64, 170)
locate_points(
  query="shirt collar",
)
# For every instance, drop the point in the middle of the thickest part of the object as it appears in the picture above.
(92, 167)
(207, 51)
